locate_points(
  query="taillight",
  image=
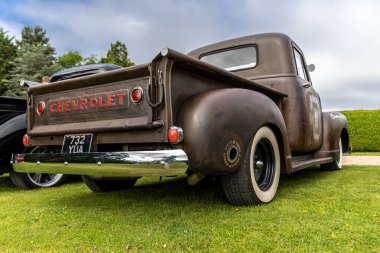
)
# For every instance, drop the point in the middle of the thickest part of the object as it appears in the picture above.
(25, 140)
(137, 95)
(175, 135)
(41, 107)
(19, 159)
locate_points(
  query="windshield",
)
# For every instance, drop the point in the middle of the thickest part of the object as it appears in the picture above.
(233, 59)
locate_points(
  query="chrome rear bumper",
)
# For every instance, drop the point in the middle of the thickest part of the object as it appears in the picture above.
(109, 164)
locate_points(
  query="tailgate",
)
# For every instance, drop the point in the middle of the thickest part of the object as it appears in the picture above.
(74, 106)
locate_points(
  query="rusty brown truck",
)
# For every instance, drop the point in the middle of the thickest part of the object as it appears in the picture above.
(244, 109)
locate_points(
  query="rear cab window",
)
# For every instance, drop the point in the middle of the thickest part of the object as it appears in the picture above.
(233, 59)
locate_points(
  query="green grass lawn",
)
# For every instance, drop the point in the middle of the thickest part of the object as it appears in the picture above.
(314, 211)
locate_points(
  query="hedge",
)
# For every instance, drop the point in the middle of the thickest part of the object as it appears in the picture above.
(364, 130)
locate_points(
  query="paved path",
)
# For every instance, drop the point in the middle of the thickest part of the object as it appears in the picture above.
(361, 160)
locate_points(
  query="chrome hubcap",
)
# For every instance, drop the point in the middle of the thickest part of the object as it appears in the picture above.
(259, 164)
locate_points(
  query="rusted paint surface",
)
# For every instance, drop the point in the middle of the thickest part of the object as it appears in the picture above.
(218, 110)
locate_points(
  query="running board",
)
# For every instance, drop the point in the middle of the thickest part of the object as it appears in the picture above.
(302, 162)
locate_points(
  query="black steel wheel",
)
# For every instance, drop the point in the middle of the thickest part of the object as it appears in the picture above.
(257, 179)
(264, 164)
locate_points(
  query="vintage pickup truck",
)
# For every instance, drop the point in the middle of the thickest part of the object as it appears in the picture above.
(244, 109)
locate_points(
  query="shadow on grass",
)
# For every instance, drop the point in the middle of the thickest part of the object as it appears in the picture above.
(171, 192)
(304, 176)
(176, 192)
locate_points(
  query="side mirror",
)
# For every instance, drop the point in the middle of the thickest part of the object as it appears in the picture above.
(311, 67)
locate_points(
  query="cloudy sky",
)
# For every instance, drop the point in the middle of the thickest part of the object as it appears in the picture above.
(341, 38)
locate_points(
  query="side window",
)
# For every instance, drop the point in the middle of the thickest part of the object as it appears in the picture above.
(300, 66)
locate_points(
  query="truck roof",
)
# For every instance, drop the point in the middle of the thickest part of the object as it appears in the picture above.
(270, 46)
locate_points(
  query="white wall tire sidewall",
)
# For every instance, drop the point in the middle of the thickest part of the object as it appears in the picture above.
(265, 196)
(339, 162)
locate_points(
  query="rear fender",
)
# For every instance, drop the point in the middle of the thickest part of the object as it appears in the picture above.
(218, 126)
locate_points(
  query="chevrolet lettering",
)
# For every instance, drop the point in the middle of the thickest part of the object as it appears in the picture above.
(79, 104)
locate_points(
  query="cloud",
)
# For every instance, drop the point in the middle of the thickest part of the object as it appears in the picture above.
(13, 29)
(344, 47)
(339, 37)
(85, 27)
(145, 26)
(354, 94)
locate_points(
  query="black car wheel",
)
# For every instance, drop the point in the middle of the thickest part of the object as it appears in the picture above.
(36, 180)
(257, 179)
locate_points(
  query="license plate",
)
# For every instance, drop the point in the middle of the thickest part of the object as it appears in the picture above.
(78, 143)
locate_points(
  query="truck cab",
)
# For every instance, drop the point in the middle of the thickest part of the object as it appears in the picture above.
(289, 74)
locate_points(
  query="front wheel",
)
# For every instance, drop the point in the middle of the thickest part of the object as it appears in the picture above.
(257, 179)
(337, 164)
(36, 180)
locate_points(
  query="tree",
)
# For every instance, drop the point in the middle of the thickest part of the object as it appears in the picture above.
(31, 64)
(74, 59)
(69, 60)
(92, 59)
(33, 61)
(7, 55)
(35, 35)
(118, 54)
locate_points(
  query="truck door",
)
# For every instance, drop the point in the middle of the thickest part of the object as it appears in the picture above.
(313, 117)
